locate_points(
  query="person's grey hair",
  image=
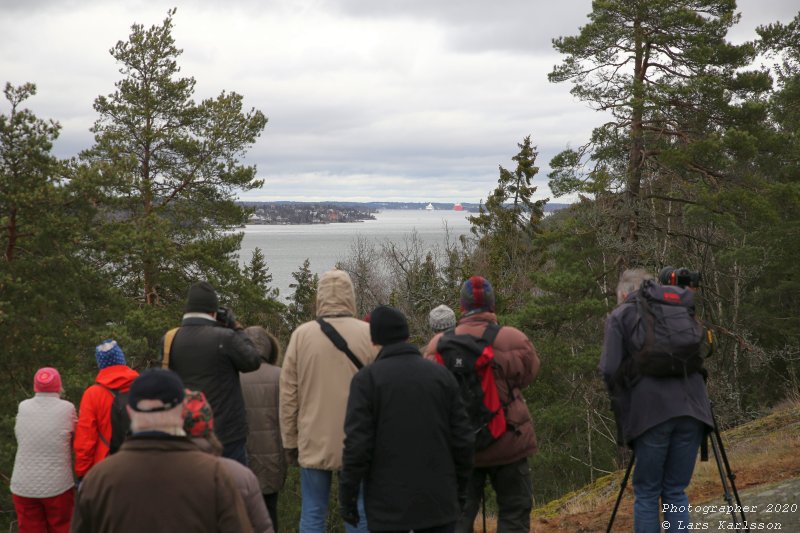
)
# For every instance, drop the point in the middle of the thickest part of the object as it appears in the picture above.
(170, 421)
(264, 345)
(631, 280)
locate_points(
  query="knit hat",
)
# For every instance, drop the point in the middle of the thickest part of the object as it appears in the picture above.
(199, 418)
(387, 326)
(477, 295)
(156, 384)
(47, 380)
(108, 353)
(202, 298)
(441, 318)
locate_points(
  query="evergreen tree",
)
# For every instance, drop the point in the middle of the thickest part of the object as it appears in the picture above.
(670, 83)
(168, 169)
(53, 300)
(505, 227)
(303, 302)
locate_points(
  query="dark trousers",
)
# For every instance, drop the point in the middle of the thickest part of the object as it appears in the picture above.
(236, 450)
(271, 501)
(514, 489)
(446, 528)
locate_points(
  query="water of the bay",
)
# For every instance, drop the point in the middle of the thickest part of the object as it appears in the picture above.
(286, 247)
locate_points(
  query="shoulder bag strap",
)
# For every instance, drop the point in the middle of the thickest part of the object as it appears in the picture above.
(114, 393)
(490, 333)
(339, 342)
(168, 338)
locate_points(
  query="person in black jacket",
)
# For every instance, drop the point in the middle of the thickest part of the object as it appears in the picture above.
(407, 438)
(208, 355)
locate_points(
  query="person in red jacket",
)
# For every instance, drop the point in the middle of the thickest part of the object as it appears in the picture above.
(93, 432)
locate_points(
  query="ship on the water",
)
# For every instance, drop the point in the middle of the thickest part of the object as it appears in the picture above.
(429, 207)
(458, 207)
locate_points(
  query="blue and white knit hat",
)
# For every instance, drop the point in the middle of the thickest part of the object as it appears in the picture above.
(108, 353)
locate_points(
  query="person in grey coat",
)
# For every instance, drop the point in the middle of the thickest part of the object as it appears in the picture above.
(663, 419)
(261, 391)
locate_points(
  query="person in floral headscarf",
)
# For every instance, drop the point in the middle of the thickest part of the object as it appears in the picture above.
(199, 426)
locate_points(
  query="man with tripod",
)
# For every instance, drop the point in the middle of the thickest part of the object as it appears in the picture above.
(662, 408)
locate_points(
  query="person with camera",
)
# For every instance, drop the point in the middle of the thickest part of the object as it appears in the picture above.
(208, 351)
(655, 380)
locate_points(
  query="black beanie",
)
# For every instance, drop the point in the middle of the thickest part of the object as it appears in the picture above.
(387, 326)
(202, 298)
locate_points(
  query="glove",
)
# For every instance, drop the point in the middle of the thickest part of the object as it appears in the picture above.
(349, 512)
(350, 515)
(291, 456)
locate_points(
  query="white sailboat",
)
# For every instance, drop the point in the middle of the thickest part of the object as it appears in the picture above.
(429, 207)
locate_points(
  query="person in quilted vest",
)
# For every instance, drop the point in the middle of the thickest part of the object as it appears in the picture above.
(93, 434)
(41, 483)
(261, 390)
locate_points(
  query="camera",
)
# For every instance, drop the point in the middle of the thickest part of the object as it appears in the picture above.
(681, 277)
(226, 317)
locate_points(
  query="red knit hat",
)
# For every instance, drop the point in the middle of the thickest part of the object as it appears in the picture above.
(47, 380)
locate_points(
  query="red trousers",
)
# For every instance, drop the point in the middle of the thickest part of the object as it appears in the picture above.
(45, 515)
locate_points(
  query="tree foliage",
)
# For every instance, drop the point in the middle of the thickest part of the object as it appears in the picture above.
(506, 226)
(672, 87)
(168, 171)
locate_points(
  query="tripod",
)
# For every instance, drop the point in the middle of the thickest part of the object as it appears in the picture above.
(726, 475)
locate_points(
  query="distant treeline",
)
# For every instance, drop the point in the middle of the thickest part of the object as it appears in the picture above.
(304, 213)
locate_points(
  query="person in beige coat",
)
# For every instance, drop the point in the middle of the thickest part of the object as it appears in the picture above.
(314, 387)
(261, 397)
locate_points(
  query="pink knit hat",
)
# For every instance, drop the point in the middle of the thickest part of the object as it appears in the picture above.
(47, 380)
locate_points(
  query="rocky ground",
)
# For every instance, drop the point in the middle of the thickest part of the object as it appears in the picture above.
(765, 457)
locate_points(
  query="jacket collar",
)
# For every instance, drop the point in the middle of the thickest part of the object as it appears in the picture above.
(400, 348)
(485, 316)
(199, 321)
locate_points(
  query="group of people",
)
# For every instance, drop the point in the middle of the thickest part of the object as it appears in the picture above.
(212, 431)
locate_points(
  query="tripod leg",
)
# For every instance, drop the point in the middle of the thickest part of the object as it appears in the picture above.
(720, 454)
(725, 488)
(621, 492)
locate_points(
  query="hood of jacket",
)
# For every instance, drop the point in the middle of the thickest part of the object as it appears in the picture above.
(117, 377)
(335, 295)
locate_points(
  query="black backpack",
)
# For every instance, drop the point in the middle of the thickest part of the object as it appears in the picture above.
(666, 340)
(120, 421)
(461, 354)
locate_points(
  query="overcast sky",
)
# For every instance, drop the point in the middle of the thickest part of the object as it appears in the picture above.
(416, 100)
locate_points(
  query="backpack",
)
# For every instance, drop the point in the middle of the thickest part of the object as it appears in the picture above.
(471, 361)
(120, 421)
(667, 339)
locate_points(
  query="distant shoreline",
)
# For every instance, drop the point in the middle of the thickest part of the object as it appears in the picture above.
(332, 212)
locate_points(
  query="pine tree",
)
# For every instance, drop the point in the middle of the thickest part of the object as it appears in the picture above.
(669, 85)
(168, 170)
(506, 226)
(303, 303)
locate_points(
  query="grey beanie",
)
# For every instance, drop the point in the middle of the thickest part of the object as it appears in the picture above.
(441, 318)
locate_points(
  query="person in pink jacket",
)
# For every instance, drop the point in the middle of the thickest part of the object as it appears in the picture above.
(41, 483)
